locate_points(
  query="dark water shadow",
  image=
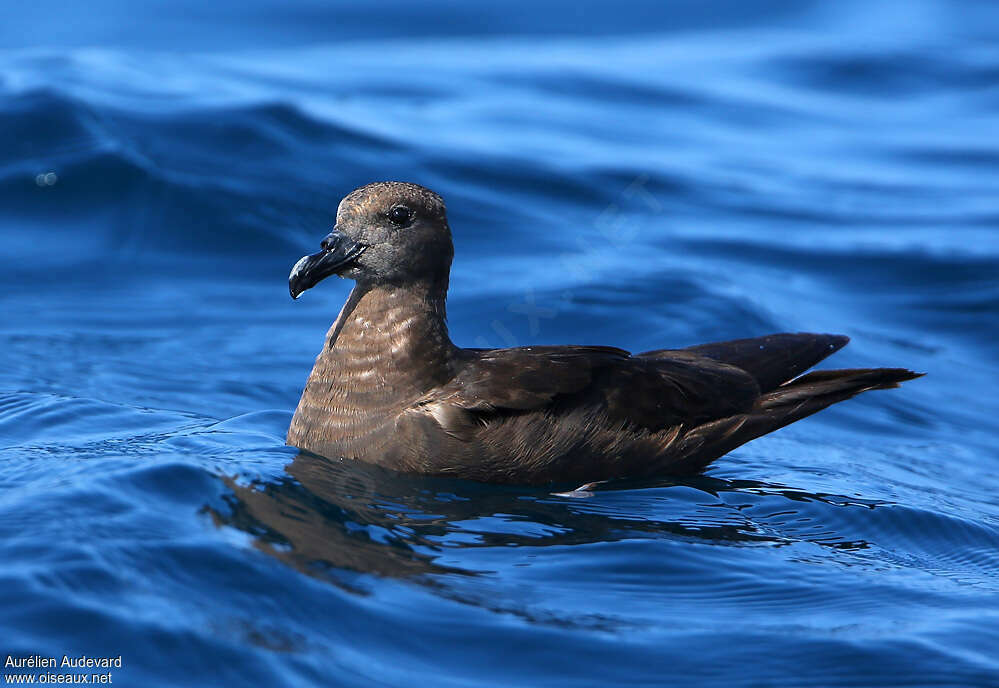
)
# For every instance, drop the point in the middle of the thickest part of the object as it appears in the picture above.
(331, 519)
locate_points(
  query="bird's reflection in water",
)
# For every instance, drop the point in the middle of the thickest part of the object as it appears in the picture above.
(330, 519)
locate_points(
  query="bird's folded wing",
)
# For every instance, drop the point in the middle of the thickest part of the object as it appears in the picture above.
(682, 389)
(526, 377)
(771, 360)
(627, 391)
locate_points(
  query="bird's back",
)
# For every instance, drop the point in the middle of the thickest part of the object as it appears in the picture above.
(543, 414)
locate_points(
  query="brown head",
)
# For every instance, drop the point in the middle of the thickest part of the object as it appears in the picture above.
(386, 233)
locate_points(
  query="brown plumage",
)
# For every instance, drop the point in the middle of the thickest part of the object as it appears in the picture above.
(390, 388)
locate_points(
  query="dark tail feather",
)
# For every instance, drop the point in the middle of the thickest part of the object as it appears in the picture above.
(821, 388)
(788, 403)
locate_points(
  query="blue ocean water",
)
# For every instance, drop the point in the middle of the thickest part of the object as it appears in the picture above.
(643, 175)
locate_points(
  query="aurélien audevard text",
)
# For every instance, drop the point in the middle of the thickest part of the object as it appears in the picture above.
(71, 669)
(67, 662)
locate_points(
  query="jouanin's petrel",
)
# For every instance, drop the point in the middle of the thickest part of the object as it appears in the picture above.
(390, 388)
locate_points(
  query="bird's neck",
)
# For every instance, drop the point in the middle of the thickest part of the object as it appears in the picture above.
(387, 348)
(393, 338)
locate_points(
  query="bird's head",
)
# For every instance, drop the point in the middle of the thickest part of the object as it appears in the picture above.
(385, 233)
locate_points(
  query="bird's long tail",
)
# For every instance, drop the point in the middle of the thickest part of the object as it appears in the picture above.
(786, 404)
(815, 391)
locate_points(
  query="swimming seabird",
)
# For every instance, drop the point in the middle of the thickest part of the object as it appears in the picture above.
(390, 388)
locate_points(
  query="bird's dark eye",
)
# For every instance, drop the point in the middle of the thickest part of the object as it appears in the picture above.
(400, 214)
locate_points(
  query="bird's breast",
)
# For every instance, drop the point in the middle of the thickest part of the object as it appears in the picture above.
(376, 363)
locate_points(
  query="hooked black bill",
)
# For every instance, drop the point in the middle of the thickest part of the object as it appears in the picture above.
(339, 252)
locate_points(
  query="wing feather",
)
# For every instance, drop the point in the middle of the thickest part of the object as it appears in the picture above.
(771, 360)
(643, 392)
